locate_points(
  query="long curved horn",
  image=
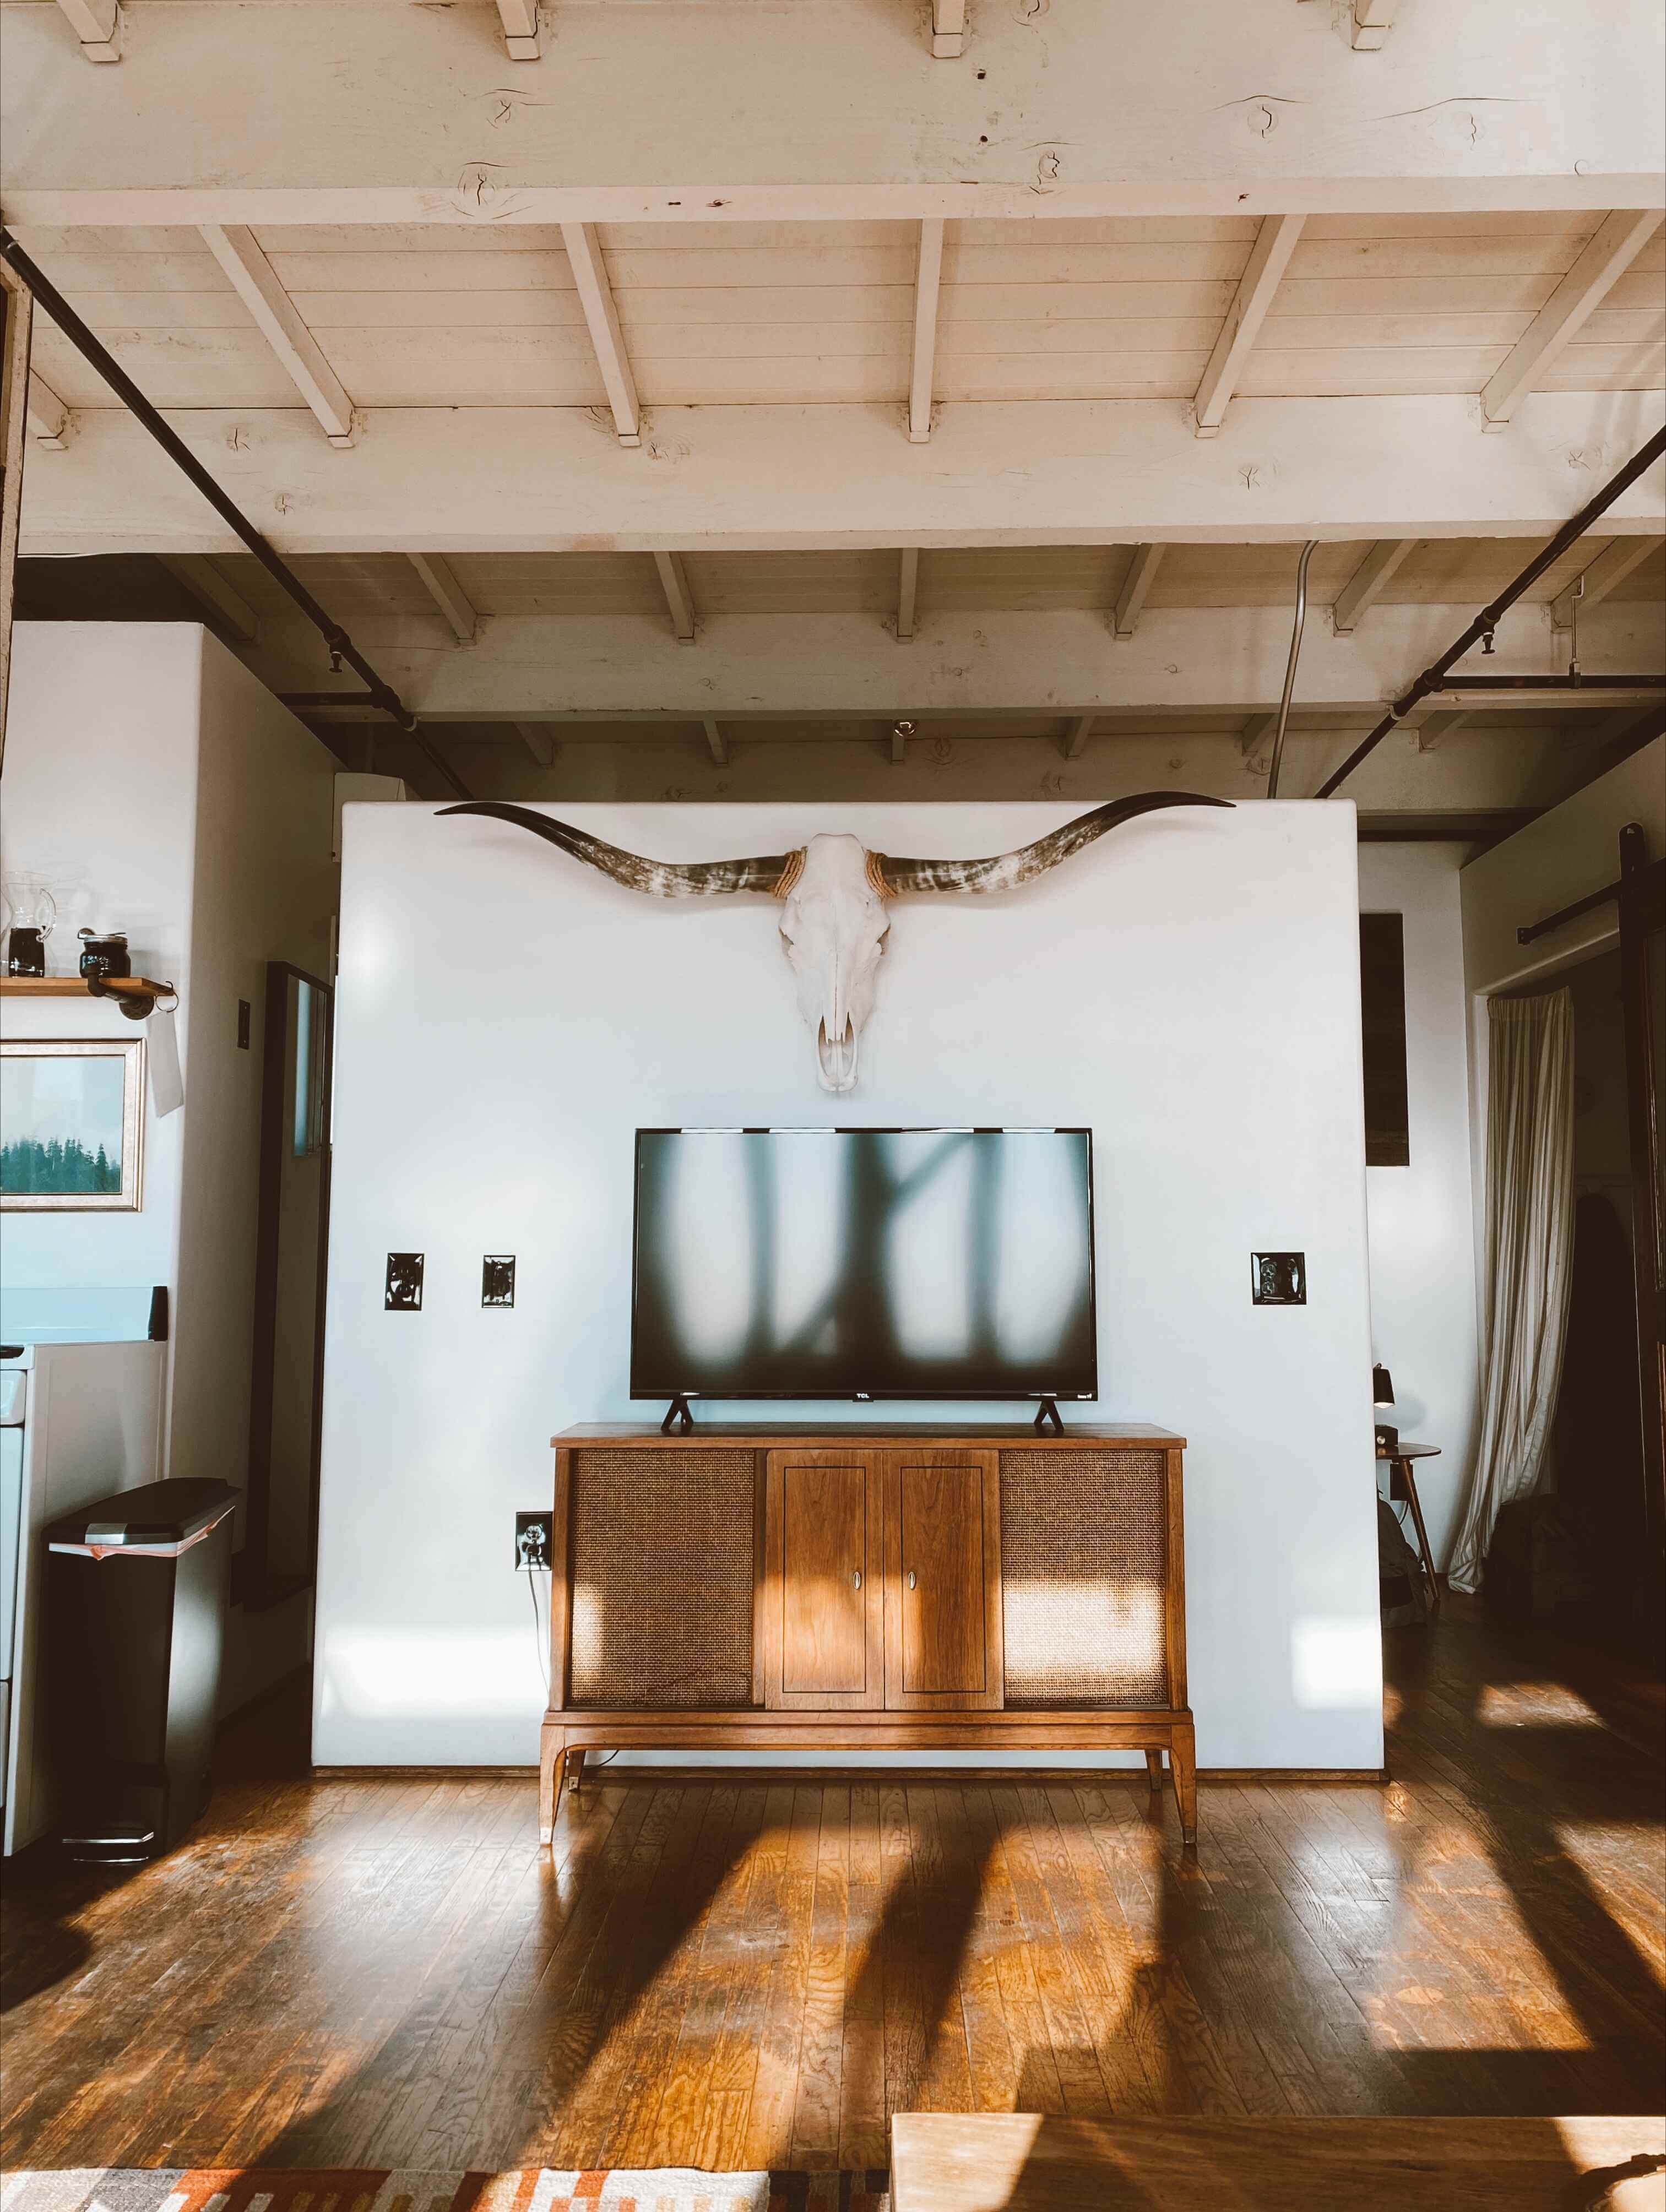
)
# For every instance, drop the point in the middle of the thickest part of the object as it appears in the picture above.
(659, 878)
(1005, 872)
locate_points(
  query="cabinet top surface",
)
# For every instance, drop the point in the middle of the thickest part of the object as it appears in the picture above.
(1128, 1434)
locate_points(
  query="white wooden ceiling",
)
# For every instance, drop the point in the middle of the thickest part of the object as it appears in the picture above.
(753, 315)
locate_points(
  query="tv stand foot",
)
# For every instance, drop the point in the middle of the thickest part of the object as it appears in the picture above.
(678, 1420)
(1047, 1417)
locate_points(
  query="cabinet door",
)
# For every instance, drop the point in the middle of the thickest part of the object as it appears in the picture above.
(822, 1595)
(942, 1643)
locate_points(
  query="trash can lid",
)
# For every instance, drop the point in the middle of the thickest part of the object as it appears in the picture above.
(169, 1512)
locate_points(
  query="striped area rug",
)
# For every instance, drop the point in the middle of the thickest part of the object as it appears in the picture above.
(528, 2189)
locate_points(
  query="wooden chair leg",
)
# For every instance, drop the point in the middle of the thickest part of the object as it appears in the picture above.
(1404, 1466)
(1183, 1763)
(1155, 1769)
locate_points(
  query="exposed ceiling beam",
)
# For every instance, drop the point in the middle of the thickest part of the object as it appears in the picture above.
(522, 480)
(948, 29)
(716, 744)
(520, 29)
(1075, 743)
(1559, 698)
(539, 741)
(908, 588)
(97, 24)
(1609, 254)
(49, 422)
(1372, 21)
(199, 576)
(1368, 582)
(1434, 729)
(927, 281)
(710, 103)
(1270, 257)
(1136, 587)
(447, 593)
(680, 601)
(1612, 565)
(1256, 733)
(584, 256)
(1184, 660)
(235, 247)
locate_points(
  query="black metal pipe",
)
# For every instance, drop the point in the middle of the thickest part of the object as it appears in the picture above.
(380, 695)
(1490, 615)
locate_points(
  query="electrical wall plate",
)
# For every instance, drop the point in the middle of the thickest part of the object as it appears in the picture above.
(1277, 1279)
(534, 1536)
(402, 1292)
(497, 1279)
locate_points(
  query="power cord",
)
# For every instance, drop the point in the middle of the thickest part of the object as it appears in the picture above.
(538, 1636)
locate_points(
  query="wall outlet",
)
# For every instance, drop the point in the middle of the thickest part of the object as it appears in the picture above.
(534, 1535)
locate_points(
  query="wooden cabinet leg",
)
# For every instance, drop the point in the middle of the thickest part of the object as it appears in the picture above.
(574, 1769)
(551, 1757)
(1183, 1762)
(1155, 1769)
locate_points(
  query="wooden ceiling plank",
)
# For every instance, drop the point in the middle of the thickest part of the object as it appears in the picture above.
(1270, 257)
(1611, 566)
(908, 590)
(198, 574)
(234, 247)
(519, 20)
(447, 594)
(716, 744)
(1136, 589)
(1368, 582)
(928, 283)
(595, 292)
(680, 601)
(1074, 742)
(1617, 243)
(97, 24)
(1434, 729)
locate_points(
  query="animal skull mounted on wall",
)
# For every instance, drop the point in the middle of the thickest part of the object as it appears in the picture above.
(834, 896)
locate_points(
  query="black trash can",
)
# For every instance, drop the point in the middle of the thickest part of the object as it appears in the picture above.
(136, 1589)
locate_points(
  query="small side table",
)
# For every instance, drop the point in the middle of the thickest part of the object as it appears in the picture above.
(1402, 1484)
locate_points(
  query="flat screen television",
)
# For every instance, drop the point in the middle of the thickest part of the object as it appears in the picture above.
(863, 1264)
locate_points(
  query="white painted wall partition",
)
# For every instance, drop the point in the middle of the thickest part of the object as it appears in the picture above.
(506, 1018)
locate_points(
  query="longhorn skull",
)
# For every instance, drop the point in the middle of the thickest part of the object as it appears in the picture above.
(834, 895)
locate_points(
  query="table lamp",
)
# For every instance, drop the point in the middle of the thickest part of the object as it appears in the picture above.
(1382, 1391)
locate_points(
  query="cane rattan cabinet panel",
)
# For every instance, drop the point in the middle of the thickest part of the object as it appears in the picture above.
(771, 1588)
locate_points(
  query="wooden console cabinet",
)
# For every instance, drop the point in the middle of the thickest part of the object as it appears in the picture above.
(766, 1587)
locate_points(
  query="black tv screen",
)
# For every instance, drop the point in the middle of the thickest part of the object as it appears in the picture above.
(863, 1263)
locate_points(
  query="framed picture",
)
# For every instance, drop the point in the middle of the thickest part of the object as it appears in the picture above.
(71, 1125)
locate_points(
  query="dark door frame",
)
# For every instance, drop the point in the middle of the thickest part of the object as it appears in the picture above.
(257, 1586)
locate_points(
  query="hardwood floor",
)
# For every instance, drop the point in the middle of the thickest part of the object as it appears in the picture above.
(339, 1973)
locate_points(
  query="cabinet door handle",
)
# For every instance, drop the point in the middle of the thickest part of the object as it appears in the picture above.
(912, 1578)
(856, 1578)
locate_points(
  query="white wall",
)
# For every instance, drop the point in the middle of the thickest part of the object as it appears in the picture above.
(162, 789)
(506, 1018)
(1422, 1241)
(98, 797)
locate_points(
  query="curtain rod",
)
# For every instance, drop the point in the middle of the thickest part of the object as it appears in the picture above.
(380, 695)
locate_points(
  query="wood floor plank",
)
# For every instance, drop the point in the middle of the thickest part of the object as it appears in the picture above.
(339, 1972)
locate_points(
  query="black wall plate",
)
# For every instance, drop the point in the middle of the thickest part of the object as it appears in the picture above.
(497, 1279)
(404, 1290)
(1277, 1279)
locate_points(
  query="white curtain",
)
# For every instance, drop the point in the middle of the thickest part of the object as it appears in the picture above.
(1529, 1251)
